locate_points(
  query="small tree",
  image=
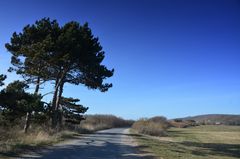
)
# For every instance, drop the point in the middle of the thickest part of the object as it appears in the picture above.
(15, 102)
(72, 111)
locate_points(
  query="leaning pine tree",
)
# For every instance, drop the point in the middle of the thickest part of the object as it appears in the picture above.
(78, 61)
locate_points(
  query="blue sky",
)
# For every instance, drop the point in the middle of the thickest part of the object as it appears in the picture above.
(172, 58)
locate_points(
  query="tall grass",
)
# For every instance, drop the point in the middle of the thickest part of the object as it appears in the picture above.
(14, 139)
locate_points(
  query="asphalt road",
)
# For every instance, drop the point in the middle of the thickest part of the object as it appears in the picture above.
(107, 144)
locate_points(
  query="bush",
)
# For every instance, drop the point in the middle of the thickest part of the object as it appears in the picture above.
(100, 122)
(178, 120)
(155, 126)
(182, 123)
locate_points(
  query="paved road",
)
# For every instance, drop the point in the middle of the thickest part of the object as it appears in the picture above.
(107, 144)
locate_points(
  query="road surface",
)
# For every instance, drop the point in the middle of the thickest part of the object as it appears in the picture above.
(107, 144)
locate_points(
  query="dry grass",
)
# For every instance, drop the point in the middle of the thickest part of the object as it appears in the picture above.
(15, 140)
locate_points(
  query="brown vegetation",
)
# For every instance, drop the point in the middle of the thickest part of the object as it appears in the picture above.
(155, 126)
(178, 123)
(13, 138)
(100, 122)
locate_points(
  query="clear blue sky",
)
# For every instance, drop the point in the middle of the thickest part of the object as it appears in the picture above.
(173, 58)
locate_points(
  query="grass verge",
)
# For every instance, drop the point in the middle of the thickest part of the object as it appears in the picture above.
(201, 142)
(16, 141)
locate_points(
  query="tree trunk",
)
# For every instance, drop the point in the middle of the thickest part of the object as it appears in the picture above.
(59, 95)
(54, 106)
(55, 102)
(29, 114)
(37, 85)
(58, 104)
(27, 122)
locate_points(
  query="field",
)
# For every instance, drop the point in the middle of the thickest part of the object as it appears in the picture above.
(201, 142)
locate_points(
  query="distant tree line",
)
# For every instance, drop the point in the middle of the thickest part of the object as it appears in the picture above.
(45, 53)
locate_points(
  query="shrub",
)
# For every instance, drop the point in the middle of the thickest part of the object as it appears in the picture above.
(100, 122)
(182, 123)
(155, 126)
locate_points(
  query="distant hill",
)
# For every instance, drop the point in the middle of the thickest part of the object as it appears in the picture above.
(224, 119)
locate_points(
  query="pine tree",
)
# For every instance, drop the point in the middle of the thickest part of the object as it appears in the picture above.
(72, 111)
(15, 102)
(67, 54)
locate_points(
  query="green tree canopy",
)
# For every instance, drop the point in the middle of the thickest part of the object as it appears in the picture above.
(15, 102)
(72, 111)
